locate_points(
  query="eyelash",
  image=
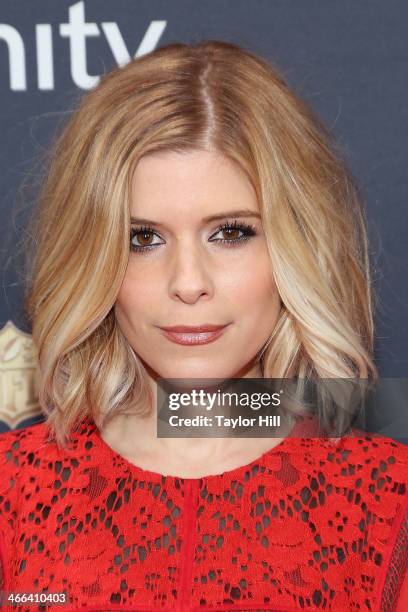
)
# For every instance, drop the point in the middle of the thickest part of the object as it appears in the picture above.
(248, 232)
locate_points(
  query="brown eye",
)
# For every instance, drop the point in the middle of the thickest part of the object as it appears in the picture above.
(141, 239)
(234, 234)
(144, 237)
(231, 233)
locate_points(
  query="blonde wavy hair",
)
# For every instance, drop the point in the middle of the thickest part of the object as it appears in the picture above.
(183, 97)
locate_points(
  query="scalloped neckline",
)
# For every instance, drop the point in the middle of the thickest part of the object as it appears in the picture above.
(145, 474)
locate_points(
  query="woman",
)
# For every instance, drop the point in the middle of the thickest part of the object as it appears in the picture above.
(196, 224)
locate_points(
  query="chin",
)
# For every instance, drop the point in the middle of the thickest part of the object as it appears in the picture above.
(197, 371)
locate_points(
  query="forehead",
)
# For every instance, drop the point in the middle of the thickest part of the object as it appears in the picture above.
(193, 182)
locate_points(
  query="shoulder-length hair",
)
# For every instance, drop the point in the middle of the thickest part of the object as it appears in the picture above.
(212, 95)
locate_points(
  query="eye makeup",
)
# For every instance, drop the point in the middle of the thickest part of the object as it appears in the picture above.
(228, 228)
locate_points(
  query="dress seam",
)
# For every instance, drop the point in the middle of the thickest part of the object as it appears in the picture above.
(187, 558)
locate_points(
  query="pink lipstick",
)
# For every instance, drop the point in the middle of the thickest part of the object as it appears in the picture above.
(193, 334)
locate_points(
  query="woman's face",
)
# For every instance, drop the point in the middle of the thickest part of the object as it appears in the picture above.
(180, 273)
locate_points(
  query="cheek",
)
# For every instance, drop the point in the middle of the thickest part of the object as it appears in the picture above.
(254, 285)
(137, 292)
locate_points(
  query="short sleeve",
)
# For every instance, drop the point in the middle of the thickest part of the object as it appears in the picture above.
(395, 592)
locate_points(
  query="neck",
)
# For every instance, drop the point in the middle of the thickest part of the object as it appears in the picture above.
(135, 437)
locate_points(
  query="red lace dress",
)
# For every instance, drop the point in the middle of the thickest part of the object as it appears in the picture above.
(309, 525)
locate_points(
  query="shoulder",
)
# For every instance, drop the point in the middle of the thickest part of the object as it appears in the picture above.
(356, 453)
(21, 453)
(17, 441)
(26, 448)
(359, 473)
(19, 450)
(35, 444)
(356, 447)
(359, 448)
(376, 463)
(37, 474)
(379, 456)
(380, 465)
(30, 458)
(21, 447)
(365, 477)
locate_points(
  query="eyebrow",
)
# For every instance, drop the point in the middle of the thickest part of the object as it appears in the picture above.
(217, 217)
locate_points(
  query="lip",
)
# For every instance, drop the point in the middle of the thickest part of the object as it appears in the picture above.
(193, 335)
(191, 329)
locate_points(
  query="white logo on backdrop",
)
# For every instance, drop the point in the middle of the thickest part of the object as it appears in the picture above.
(77, 30)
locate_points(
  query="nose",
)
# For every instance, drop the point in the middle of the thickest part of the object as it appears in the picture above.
(190, 275)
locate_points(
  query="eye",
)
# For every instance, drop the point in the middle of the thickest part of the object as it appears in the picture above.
(141, 239)
(231, 233)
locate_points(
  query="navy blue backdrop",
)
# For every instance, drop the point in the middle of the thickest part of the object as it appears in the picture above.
(348, 59)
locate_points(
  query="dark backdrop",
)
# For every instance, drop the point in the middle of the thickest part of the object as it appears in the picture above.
(348, 59)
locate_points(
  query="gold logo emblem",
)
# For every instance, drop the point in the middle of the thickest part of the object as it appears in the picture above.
(18, 394)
